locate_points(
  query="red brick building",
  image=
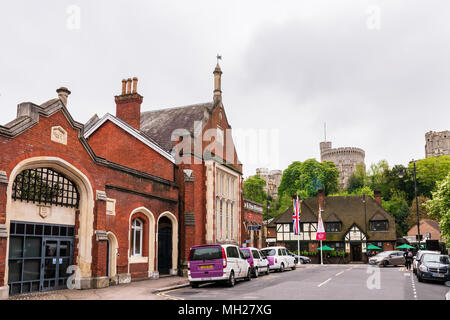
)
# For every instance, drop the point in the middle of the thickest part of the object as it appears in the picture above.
(209, 171)
(428, 229)
(252, 227)
(112, 197)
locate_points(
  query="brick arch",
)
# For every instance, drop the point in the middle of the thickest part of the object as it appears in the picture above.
(150, 233)
(174, 221)
(85, 230)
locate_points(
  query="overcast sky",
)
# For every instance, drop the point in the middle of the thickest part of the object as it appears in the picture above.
(377, 72)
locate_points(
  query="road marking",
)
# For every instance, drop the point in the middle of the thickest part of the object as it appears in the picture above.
(339, 273)
(167, 296)
(407, 274)
(324, 282)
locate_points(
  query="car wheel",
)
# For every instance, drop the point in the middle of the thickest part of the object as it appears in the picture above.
(194, 284)
(282, 267)
(419, 278)
(249, 275)
(385, 263)
(231, 280)
(294, 267)
(256, 272)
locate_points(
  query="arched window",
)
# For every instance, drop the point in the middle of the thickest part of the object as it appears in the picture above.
(232, 220)
(136, 237)
(45, 186)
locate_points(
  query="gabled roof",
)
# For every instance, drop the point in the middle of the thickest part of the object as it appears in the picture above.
(378, 216)
(141, 136)
(160, 124)
(349, 210)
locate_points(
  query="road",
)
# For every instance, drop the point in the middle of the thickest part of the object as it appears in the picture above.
(327, 282)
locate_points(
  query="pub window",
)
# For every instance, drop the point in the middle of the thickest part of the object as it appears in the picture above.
(45, 186)
(332, 227)
(379, 225)
(136, 237)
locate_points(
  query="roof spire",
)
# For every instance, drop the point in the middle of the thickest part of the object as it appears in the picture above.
(217, 80)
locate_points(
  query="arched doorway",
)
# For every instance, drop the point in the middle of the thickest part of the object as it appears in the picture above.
(44, 197)
(164, 245)
(42, 230)
(111, 257)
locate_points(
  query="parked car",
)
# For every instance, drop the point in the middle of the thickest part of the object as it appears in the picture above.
(279, 259)
(418, 256)
(434, 267)
(447, 296)
(258, 262)
(214, 263)
(298, 258)
(387, 258)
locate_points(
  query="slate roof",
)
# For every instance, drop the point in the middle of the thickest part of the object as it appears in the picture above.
(347, 209)
(159, 124)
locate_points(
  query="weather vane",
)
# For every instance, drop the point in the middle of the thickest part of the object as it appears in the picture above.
(219, 57)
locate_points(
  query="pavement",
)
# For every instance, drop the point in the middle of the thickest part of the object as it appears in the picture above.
(136, 290)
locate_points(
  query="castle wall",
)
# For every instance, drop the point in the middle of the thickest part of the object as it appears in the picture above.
(437, 143)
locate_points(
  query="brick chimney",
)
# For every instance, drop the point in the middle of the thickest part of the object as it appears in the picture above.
(321, 199)
(377, 196)
(128, 104)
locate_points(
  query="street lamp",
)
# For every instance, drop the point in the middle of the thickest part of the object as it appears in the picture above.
(401, 174)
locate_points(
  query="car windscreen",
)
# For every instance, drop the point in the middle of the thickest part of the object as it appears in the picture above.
(245, 253)
(269, 252)
(207, 253)
(435, 258)
(383, 254)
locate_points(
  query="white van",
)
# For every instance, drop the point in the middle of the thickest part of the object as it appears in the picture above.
(279, 258)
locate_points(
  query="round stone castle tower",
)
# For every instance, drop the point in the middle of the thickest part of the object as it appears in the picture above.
(345, 160)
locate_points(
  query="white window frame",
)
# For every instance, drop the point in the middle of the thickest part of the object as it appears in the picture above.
(135, 228)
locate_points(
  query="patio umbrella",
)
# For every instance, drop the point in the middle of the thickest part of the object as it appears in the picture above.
(405, 246)
(372, 247)
(325, 248)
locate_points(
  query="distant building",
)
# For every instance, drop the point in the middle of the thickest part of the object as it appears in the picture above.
(350, 225)
(429, 229)
(273, 180)
(437, 143)
(252, 229)
(345, 160)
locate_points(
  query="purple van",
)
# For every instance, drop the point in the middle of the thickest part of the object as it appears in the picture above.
(212, 263)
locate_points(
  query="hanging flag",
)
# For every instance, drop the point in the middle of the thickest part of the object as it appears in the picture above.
(296, 204)
(320, 229)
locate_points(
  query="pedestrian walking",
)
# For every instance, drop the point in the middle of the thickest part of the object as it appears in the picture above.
(408, 259)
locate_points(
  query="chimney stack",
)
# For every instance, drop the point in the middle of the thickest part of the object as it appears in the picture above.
(128, 104)
(377, 196)
(63, 93)
(321, 199)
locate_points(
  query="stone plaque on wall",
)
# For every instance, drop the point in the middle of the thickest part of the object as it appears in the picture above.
(44, 211)
(59, 135)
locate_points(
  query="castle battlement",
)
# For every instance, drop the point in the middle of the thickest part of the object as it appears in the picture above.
(345, 158)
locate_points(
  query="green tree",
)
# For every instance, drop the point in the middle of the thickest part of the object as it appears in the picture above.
(398, 207)
(429, 171)
(439, 207)
(358, 179)
(253, 189)
(306, 178)
(411, 220)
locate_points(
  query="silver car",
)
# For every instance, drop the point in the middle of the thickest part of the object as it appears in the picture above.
(386, 258)
(418, 256)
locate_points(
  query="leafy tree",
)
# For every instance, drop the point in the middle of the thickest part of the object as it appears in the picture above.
(253, 189)
(358, 179)
(411, 220)
(306, 178)
(398, 207)
(429, 171)
(439, 207)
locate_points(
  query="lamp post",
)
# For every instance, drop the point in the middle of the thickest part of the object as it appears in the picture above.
(401, 175)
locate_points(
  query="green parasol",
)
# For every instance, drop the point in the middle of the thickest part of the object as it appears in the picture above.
(405, 246)
(325, 248)
(372, 247)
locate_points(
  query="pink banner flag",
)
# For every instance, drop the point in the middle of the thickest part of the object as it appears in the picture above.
(320, 229)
